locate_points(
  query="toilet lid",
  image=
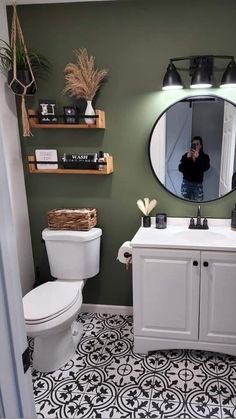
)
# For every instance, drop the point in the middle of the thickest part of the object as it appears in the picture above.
(49, 300)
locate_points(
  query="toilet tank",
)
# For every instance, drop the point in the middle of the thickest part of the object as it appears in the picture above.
(73, 254)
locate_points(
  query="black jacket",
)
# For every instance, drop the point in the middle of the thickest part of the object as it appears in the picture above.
(194, 170)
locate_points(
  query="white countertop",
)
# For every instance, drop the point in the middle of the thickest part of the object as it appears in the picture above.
(177, 235)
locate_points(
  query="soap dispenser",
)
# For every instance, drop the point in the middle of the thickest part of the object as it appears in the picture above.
(233, 219)
(101, 160)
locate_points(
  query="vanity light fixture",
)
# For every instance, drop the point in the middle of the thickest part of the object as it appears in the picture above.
(201, 77)
(172, 79)
(200, 68)
(229, 76)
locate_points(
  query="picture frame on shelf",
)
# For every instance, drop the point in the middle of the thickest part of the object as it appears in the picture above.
(47, 111)
(70, 114)
(46, 159)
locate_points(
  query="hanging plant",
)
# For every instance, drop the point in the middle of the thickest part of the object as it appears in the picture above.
(83, 80)
(39, 64)
(22, 67)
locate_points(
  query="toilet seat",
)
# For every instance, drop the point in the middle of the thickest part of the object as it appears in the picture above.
(50, 300)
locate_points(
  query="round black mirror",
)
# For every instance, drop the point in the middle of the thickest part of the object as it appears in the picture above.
(192, 148)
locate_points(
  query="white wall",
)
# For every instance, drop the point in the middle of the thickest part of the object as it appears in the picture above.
(9, 2)
(12, 154)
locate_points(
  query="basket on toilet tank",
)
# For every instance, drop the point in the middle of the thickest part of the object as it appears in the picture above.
(72, 218)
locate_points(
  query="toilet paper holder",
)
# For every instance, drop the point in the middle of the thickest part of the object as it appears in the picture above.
(127, 255)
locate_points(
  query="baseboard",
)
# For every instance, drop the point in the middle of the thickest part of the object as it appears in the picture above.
(107, 309)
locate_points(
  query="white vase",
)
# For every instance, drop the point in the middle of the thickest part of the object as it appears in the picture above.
(89, 111)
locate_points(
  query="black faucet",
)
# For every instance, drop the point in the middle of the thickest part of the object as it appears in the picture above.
(199, 225)
(199, 219)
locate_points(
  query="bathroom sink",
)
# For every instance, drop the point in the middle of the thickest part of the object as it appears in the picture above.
(177, 235)
(198, 235)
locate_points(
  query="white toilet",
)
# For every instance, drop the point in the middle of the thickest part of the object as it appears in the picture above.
(51, 308)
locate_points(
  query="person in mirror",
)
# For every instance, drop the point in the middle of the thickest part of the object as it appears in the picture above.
(193, 164)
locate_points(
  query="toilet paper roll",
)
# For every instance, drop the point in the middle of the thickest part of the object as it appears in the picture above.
(125, 253)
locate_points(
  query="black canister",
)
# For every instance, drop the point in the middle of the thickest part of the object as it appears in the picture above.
(146, 221)
(233, 219)
(161, 220)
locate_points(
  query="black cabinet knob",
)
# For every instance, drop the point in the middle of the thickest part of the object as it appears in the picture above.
(205, 263)
(195, 263)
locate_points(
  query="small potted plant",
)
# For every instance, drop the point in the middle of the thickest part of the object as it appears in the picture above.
(82, 80)
(39, 65)
(146, 206)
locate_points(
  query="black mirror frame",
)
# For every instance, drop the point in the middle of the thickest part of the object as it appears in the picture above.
(149, 147)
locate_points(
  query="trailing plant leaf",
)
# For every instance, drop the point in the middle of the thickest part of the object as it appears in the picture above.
(39, 63)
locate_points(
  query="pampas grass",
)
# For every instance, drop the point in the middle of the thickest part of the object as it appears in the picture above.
(82, 80)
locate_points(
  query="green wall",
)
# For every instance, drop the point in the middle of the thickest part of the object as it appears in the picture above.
(134, 40)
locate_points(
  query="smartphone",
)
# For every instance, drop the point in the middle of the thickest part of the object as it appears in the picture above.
(193, 146)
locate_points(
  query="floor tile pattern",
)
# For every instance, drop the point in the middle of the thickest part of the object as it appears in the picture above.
(105, 379)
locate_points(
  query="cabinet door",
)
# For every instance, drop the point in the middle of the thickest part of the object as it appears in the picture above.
(218, 297)
(166, 293)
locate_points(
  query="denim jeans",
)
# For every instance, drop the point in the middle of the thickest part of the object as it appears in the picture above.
(192, 190)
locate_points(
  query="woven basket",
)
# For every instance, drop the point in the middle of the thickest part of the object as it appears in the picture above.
(72, 218)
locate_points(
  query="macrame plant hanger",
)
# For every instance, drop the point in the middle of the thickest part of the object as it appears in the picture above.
(16, 33)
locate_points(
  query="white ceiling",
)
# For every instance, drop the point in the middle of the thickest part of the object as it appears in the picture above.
(9, 2)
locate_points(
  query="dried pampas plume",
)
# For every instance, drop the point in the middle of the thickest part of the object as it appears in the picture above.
(82, 80)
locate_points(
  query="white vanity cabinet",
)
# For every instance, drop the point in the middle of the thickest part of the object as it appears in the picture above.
(218, 298)
(184, 299)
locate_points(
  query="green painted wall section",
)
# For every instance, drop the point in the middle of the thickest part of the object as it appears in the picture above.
(134, 40)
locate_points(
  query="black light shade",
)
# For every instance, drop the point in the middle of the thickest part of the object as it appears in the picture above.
(200, 69)
(201, 77)
(229, 76)
(172, 79)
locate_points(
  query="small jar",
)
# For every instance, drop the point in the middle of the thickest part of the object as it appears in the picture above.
(146, 221)
(161, 220)
(101, 160)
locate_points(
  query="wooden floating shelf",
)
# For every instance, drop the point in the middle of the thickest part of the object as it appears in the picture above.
(108, 169)
(34, 122)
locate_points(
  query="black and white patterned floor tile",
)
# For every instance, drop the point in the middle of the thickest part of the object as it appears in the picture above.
(105, 379)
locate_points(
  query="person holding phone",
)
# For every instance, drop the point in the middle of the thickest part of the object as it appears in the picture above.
(193, 164)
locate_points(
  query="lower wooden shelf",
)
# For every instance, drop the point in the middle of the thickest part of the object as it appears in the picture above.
(107, 170)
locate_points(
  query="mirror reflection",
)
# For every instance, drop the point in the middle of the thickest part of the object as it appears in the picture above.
(192, 148)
